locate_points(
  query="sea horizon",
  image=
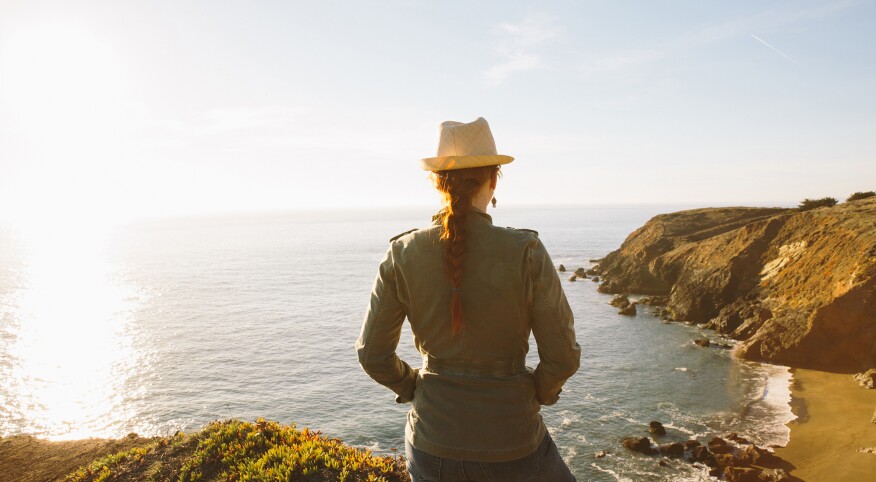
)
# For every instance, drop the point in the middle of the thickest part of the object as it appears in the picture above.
(96, 218)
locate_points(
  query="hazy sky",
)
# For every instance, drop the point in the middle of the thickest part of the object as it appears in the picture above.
(152, 108)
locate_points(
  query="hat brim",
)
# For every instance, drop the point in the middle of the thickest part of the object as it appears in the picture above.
(446, 163)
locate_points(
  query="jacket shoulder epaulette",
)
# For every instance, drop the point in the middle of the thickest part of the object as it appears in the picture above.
(402, 234)
(524, 229)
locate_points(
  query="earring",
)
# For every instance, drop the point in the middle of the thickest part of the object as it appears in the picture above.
(494, 201)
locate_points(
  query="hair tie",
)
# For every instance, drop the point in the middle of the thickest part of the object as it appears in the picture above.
(455, 290)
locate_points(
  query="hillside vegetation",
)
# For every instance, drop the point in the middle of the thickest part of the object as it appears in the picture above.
(229, 450)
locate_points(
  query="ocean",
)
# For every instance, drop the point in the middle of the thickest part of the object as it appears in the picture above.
(164, 325)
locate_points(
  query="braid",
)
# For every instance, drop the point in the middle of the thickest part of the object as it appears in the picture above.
(457, 188)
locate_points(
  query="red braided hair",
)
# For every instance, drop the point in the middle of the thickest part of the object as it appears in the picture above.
(457, 187)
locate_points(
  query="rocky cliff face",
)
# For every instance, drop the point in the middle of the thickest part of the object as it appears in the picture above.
(799, 288)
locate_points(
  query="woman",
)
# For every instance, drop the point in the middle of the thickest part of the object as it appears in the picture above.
(472, 293)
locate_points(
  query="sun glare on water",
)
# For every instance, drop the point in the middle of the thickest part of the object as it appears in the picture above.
(65, 335)
(68, 343)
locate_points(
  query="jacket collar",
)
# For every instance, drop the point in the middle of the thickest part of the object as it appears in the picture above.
(475, 215)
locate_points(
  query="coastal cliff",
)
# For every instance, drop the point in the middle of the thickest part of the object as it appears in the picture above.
(796, 287)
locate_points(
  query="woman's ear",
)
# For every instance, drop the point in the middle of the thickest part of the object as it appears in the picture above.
(494, 178)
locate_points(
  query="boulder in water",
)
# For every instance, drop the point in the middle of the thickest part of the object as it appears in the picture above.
(703, 342)
(692, 443)
(629, 310)
(656, 428)
(701, 454)
(639, 444)
(561, 269)
(619, 301)
(720, 446)
(675, 449)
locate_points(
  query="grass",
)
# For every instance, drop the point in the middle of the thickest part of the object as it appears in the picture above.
(233, 450)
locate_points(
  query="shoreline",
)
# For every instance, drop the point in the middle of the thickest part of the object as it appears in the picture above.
(833, 421)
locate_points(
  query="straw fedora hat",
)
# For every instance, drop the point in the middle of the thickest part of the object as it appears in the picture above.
(461, 146)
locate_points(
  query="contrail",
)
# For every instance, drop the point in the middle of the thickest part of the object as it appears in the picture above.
(774, 49)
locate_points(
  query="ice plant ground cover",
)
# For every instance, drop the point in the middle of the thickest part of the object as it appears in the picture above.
(234, 450)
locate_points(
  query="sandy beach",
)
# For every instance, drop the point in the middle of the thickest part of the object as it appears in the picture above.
(833, 423)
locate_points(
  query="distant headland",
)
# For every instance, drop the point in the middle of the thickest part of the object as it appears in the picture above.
(797, 287)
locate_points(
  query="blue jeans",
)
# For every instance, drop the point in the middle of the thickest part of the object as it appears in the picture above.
(543, 465)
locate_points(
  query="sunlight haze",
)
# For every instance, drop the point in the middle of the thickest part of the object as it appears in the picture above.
(111, 110)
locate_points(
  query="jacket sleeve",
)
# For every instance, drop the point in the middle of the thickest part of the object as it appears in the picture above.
(380, 334)
(553, 327)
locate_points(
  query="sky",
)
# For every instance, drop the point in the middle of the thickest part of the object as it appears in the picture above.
(113, 110)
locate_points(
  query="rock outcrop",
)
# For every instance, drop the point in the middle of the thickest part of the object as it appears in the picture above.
(797, 287)
(738, 460)
(867, 379)
(628, 310)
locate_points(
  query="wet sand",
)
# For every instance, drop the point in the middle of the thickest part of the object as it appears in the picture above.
(833, 422)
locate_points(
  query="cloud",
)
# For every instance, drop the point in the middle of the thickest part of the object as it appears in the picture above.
(519, 44)
(517, 62)
(620, 62)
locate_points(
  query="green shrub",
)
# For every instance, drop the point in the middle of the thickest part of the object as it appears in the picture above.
(242, 451)
(861, 195)
(808, 204)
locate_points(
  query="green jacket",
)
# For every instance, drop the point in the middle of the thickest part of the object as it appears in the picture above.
(473, 398)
